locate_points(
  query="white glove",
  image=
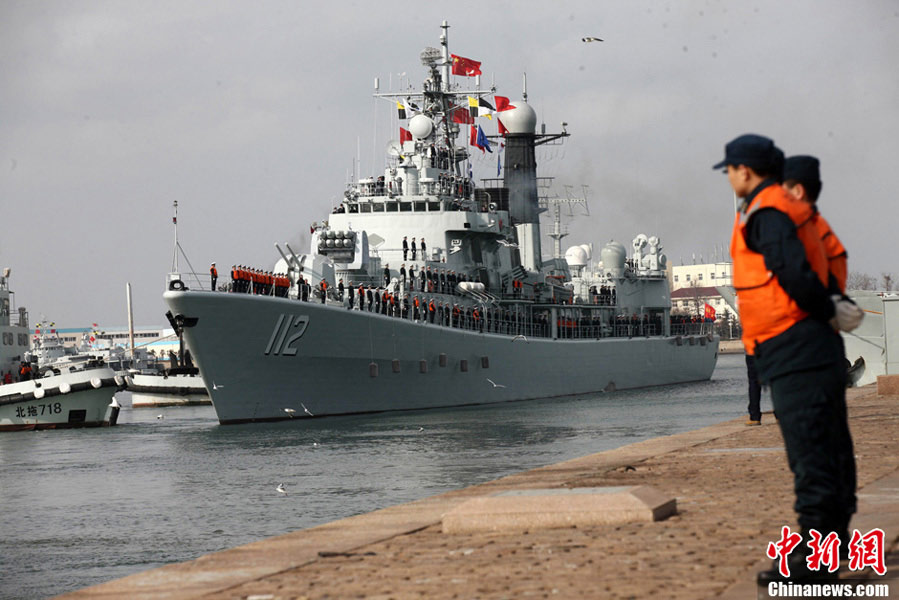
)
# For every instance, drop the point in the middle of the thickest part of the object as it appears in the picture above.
(847, 315)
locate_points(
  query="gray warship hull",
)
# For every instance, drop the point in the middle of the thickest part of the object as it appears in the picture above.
(266, 358)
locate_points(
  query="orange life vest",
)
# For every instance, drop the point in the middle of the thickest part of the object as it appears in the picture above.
(766, 310)
(834, 250)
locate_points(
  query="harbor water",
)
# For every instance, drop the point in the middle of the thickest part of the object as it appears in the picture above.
(85, 506)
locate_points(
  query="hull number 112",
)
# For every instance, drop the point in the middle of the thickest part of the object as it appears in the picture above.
(283, 344)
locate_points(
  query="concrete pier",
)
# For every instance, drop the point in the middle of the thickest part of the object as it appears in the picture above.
(733, 492)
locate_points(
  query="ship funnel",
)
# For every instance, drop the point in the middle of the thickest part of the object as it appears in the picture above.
(520, 178)
(520, 173)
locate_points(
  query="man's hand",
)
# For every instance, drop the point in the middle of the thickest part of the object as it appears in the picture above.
(847, 316)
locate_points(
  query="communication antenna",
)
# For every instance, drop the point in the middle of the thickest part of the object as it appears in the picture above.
(556, 204)
(177, 245)
(179, 250)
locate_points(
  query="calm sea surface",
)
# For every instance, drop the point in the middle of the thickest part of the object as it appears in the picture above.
(81, 507)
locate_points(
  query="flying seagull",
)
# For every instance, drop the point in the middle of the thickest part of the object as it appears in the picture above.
(520, 337)
(496, 385)
(158, 417)
(280, 489)
(306, 410)
(216, 387)
(290, 411)
(508, 244)
(591, 39)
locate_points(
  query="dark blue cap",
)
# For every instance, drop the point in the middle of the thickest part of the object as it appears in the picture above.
(804, 169)
(754, 151)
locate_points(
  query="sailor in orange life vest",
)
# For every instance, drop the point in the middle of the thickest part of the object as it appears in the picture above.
(802, 178)
(790, 308)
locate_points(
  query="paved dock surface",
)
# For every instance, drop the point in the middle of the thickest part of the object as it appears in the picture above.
(733, 490)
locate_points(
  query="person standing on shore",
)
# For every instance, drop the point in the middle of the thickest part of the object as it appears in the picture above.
(755, 392)
(789, 317)
(802, 179)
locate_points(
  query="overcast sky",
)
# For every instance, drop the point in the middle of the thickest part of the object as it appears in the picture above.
(250, 114)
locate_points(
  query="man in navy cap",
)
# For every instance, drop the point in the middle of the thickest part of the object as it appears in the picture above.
(781, 277)
(802, 178)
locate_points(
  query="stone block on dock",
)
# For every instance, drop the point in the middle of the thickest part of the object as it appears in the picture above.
(887, 385)
(527, 510)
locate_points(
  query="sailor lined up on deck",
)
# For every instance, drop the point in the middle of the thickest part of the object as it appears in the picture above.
(213, 275)
(407, 246)
(245, 281)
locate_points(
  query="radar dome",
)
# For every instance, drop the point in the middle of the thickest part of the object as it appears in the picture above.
(576, 256)
(613, 255)
(421, 126)
(521, 119)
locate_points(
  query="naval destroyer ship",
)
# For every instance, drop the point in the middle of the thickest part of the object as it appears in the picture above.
(467, 313)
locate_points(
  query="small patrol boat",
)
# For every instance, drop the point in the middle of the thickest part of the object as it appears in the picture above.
(179, 385)
(45, 385)
(468, 311)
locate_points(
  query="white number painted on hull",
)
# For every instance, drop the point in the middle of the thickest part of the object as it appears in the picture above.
(279, 343)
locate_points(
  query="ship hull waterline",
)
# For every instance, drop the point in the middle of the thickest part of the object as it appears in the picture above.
(266, 359)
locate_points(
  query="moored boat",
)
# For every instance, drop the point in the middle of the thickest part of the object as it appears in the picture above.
(44, 386)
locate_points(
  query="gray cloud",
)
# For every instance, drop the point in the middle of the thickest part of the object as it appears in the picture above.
(251, 114)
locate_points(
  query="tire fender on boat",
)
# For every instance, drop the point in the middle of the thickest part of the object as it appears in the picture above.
(64, 388)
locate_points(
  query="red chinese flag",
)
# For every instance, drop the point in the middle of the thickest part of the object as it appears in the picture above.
(709, 311)
(465, 66)
(405, 135)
